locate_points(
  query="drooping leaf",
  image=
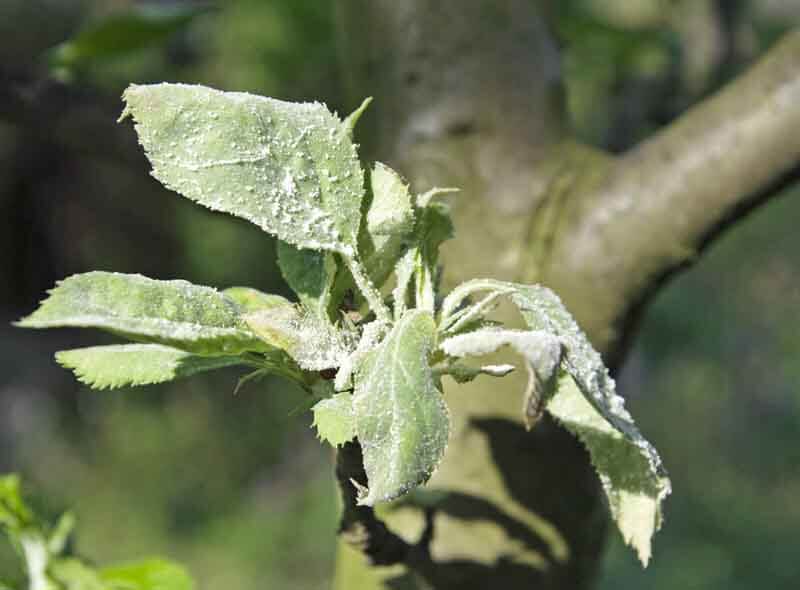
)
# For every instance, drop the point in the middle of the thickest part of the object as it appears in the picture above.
(289, 168)
(402, 421)
(177, 313)
(629, 467)
(632, 477)
(310, 274)
(404, 273)
(110, 367)
(390, 223)
(138, 27)
(334, 419)
(313, 342)
(152, 574)
(542, 353)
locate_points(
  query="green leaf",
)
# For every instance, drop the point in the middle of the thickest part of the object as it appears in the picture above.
(433, 229)
(110, 367)
(313, 342)
(390, 223)
(542, 353)
(249, 299)
(190, 317)
(152, 574)
(352, 119)
(289, 168)
(311, 275)
(124, 32)
(334, 419)
(72, 574)
(402, 421)
(14, 514)
(630, 469)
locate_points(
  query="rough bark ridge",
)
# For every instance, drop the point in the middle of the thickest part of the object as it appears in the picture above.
(468, 94)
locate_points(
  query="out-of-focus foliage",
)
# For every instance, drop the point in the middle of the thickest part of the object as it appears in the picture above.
(123, 33)
(190, 471)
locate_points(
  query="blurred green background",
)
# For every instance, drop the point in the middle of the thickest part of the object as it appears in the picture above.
(236, 487)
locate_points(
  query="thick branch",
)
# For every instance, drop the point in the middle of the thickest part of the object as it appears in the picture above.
(660, 204)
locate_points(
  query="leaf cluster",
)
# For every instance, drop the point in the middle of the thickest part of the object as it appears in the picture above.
(45, 551)
(371, 336)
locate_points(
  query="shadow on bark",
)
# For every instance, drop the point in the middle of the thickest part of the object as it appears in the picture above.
(541, 562)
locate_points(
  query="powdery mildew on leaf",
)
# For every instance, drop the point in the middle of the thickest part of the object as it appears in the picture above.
(402, 421)
(390, 222)
(334, 419)
(542, 353)
(313, 342)
(176, 313)
(586, 403)
(290, 168)
(109, 367)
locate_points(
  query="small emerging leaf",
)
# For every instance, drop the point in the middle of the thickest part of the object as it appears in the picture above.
(390, 222)
(352, 119)
(177, 313)
(311, 275)
(289, 168)
(334, 419)
(110, 367)
(402, 421)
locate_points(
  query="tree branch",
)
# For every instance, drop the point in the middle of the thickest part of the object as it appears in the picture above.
(662, 203)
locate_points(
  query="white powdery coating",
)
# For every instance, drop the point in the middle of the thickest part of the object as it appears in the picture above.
(290, 168)
(402, 420)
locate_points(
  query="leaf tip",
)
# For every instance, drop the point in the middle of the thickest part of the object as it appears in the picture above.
(352, 119)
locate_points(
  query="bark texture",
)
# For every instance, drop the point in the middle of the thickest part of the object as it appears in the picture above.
(468, 94)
